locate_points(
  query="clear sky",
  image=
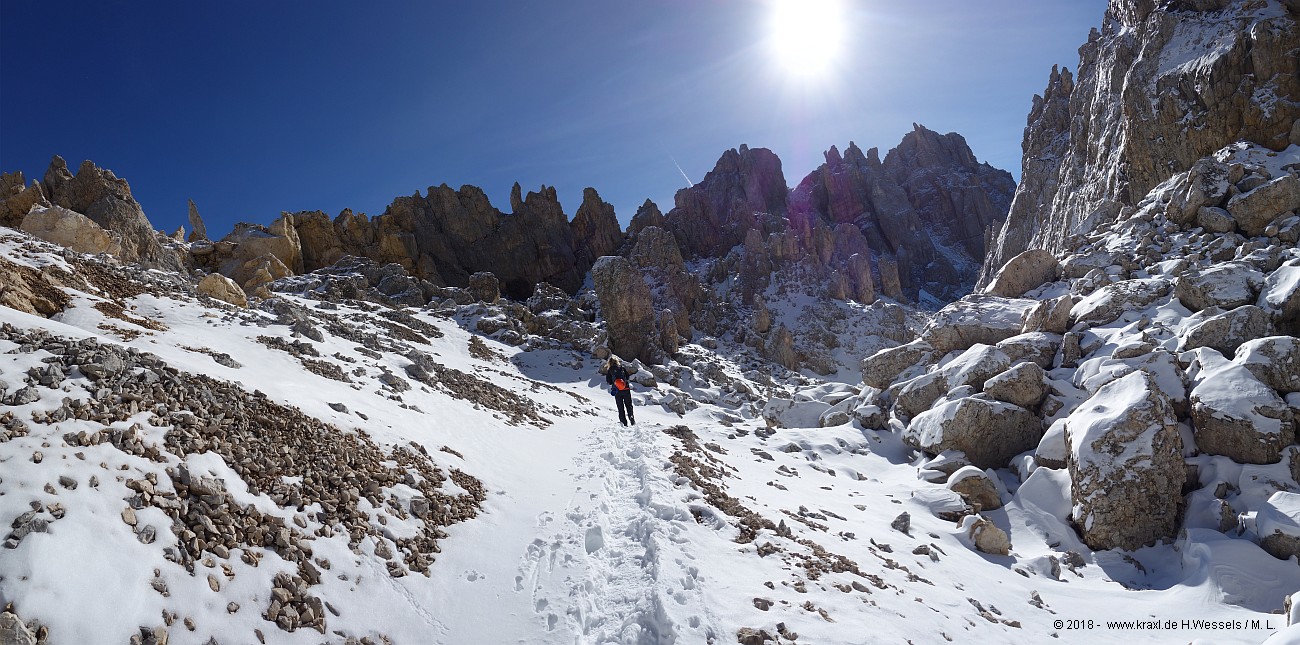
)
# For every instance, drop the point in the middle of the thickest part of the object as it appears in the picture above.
(253, 108)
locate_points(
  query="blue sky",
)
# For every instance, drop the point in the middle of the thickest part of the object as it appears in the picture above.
(253, 108)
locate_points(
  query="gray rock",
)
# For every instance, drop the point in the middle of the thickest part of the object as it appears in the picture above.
(1254, 210)
(1280, 297)
(14, 632)
(976, 319)
(1227, 286)
(1023, 385)
(975, 488)
(989, 432)
(1107, 304)
(1228, 330)
(1036, 347)
(1215, 220)
(1051, 316)
(1026, 271)
(881, 369)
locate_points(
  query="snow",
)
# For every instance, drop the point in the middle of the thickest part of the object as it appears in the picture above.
(589, 533)
(1113, 404)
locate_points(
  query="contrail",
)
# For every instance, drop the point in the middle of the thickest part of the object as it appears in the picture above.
(689, 183)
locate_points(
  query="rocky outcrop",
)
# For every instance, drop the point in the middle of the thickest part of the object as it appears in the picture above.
(745, 190)
(447, 235)
(198, 230)
(595, 230)
(17, 198)
(222, 288)
(104, 198)
(630, 319)
(1026, 271)
(1158, 89)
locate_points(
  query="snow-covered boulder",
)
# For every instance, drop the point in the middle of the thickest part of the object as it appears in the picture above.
(1023, 385)
(1280, 296)
(989, 432)
(1051, 316)
(1024, 272)
(976, 488)
(1052, 451)
(1227, 285)
(1278, 525)
(1163, 368)
(1108, 303)
(1256, 209)
(1274, 360)
(1036, 347)
(1236, 415)
(881, 369)
(1125, 459)
(976, 319)
(1226, 331)
(972, 367)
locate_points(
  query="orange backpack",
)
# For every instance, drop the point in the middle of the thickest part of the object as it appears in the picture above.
(620, 384)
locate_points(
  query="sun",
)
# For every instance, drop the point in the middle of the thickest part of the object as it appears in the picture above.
(806, 36)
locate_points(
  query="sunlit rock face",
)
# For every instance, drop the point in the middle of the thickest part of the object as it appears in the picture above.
(1158, 88)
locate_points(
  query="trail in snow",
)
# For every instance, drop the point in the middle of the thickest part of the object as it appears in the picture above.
(614, 567)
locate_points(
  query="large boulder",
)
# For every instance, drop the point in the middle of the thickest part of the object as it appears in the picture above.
(222, 288)
(1024, 272)
(1125, 459)
(70, 229)
(882, 368)
(1051, 316)
(1036, 347)
(1278, 525)
(1227, 286)
(976, 319)
(629, 313)
(971, 367)
(989, 432)
(1228, 330)
(1274, 360)
(660, 260)
(1024, 385)
(1108, 303)
(1237, 416)
(1254, 210)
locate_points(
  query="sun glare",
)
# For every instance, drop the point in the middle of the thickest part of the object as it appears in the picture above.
(806, 35)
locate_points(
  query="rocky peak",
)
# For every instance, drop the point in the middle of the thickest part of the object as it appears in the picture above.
(647, 215)
(595, 230)
(1158, 88)
(745, 188)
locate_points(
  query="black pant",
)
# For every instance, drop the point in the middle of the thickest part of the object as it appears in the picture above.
(624, 400)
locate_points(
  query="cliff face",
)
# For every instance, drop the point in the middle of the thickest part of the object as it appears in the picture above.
(1157, 89)
(448, 235)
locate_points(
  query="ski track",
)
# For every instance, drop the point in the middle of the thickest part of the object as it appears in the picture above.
(613, 567)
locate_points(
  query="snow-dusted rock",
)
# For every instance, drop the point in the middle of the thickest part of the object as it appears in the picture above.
(222, 288)
(1163, 368)
(1036, 347)
(1108, 303)
(1280, 296)
(1024, 272)
(881, 369)
(1254, 210)
(971, 367)
(941, 502)
(1228, 330)
(989, 432)
(1235, 415)
(976, 487)
(1278, 525)
(1078, 265)
(1022, 385)
(1126, 466)
(1052, 316)
(1274, 360)
(1215, 220)
(976, 319)
(1228, 285)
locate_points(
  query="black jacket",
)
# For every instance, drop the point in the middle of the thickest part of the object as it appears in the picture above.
(615, 372)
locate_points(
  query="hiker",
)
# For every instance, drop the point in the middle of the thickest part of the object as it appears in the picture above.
(621, 387)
